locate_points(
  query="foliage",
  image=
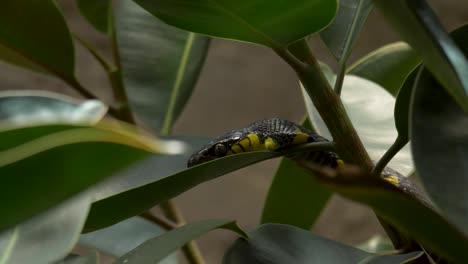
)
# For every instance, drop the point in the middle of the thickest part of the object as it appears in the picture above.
(68, 169)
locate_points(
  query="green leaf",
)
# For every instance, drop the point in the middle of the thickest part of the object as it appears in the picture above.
(97, 13)
(372, 116)
(160, 65)
(274, 243)
(402, 106)
(419, 26)
(155, 249)
(46, 237)
(120, 238)
(341, 35)
(58, 161)
(36, 31)
(33, 107)
(439, 140)
(387, 66)
(418, 220)
(295, 197)
(148, 170)
(135, 201)
(271, 23)
(376, 244)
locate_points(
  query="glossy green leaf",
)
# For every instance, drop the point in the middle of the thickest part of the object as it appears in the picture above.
(97, 13)
(439, 140)
(58, 161)
(387, 66)
(419, 220)
(278, 244)
(46, 237)
(419, 26)
(155, 249)
(402, 106)
(271, 23)
(123, 237)
(33, 107)
(376, 244)
(135, 201)
(36, 31)
(295, 197)
(160, 65)
(372, 116)
(341, 35)
(148, 170)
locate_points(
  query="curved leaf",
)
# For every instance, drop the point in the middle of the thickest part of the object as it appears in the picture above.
(120, 238)
(417, 219)
(97, 13)
(137, 200)
(295, 197)
(275, 244)
(59, 161)
(36, 31)
(90, 258)
(440, 142)
(419, 26)
(271, 23)
(160, 65)
(372, 117)
(376, 244)
(155, 249)
(46, 237)
(33, 107)
(387, 66)
(402, 106)
(341, 35)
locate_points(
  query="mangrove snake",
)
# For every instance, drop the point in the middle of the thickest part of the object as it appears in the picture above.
(278, 135)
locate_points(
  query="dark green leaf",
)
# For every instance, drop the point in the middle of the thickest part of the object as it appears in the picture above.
(97, 13)
(160, 65)
(341, 35)
(274, 243)
(419, 26)
(55, 162)
(271, 23)
(402, 106)
(46, 237)
(439, 140)
(135, 201)
(387, 66)
(40, 107)
(155, 249)
(36, 31)
(295, 197)
(120, 238)
(419, 220)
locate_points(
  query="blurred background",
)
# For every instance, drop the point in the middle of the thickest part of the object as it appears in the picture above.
(240, 83)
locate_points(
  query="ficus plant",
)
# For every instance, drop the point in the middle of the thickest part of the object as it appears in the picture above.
(86, 172)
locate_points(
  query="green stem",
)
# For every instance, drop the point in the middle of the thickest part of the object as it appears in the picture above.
(340, 78)
(166, 224)
(391, 152)
(107, 67)
(329, 106)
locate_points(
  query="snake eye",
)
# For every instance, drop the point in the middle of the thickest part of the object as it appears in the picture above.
(220, 150)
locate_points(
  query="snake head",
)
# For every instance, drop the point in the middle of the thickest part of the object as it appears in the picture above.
(215, 149)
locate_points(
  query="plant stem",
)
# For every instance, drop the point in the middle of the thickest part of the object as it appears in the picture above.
(80, 89)
(340, 78)
(166, 224)
(329, 106)
(190, 250)
(391, 152)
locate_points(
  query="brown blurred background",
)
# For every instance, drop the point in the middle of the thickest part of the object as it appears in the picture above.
(268, 88)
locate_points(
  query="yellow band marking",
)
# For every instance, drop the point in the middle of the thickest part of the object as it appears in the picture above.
(270, 144)
(300, 138)
(392, 179)
(340, 163)
(236, 149)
